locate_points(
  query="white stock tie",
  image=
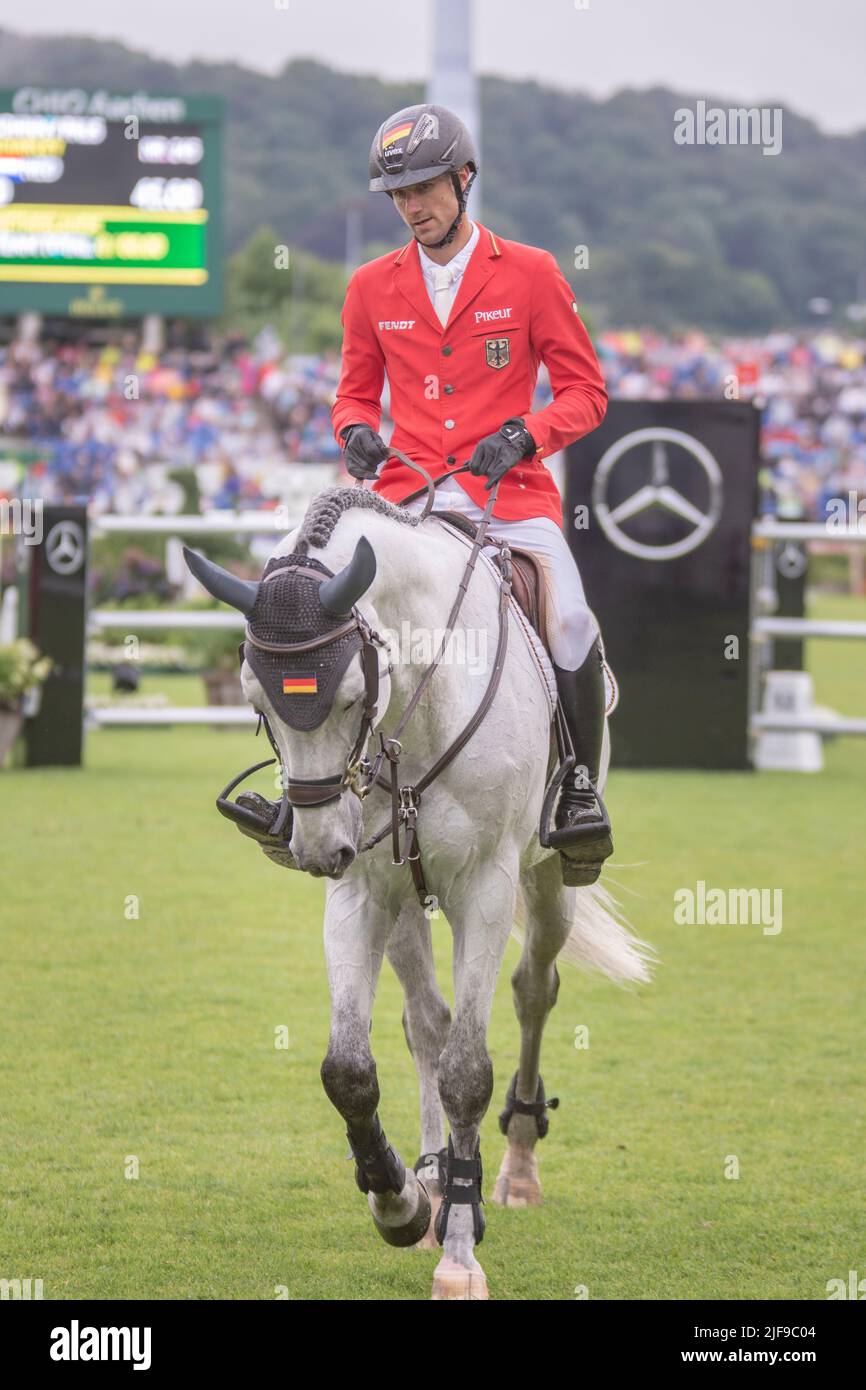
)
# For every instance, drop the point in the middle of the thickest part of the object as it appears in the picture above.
(442, 292)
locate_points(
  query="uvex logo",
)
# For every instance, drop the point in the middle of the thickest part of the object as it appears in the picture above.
(386, 325)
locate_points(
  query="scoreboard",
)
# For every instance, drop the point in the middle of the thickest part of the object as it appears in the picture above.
(110, 204)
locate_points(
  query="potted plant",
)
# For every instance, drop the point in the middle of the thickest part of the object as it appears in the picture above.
(221, 674)
(22, 671)
(215, 652)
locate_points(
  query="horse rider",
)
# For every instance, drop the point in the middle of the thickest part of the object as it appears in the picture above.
(458, 319)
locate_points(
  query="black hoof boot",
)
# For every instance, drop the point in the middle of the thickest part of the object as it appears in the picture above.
(378, 1166)
(462, 1194)
(379, 1169)
(537, 1107)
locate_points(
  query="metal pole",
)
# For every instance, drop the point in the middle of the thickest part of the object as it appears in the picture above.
(452, 79)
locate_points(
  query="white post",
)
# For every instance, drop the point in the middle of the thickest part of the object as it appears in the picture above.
(153, 333)
(452, 79)
(788, 693)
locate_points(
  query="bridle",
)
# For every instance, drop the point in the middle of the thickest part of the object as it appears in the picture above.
(359, 774)
(312, 791)
(319, 791)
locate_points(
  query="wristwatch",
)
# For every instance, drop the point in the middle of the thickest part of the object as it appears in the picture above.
(516, 432)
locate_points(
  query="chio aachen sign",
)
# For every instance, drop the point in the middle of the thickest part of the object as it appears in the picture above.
(110, 203)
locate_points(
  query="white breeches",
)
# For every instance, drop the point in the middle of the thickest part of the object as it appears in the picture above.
(571, 625)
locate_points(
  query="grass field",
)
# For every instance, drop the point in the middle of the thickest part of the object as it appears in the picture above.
(153, 1039)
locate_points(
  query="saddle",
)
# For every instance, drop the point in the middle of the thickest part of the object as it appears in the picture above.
(529, 589)
(527, 577)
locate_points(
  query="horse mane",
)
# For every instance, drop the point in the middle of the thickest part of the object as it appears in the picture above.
(327, 507)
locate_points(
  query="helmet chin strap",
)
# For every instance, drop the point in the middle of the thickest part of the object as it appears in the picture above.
(462, 194)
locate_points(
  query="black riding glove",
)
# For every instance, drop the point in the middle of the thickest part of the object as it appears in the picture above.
(498, 452)
(364, 450)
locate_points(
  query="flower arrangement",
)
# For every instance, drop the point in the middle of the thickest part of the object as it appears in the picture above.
(21, 669)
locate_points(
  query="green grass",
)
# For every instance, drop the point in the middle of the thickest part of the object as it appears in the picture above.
(155, 1038)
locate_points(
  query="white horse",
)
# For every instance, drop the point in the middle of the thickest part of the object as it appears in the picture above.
(482, 862)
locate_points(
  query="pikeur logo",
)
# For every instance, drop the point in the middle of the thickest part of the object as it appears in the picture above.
(486, 315)
(76, 1343)
(385, 325)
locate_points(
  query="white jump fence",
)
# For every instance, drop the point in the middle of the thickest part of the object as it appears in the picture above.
(764, 628)
(147, 620)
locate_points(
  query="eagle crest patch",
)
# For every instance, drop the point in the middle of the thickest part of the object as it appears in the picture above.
(498, 352)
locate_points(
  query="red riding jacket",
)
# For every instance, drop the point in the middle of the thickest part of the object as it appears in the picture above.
(452, 386)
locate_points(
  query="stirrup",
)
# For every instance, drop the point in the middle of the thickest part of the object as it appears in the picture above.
(590, 842)
(462, 1196)
(536, 1107)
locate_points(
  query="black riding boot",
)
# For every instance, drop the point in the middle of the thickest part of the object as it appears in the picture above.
(582, 831)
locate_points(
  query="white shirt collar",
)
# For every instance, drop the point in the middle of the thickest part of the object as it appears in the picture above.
(457, 264)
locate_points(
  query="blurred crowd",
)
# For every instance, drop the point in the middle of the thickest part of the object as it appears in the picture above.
(811, 388)
(116, 425)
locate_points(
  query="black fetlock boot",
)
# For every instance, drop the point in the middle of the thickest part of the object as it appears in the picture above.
(380, 1170)
(582, 833)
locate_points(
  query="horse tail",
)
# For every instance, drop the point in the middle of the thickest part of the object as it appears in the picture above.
(600, 938)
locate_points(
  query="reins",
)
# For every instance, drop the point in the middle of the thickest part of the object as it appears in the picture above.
(405, 799)
(359, 774)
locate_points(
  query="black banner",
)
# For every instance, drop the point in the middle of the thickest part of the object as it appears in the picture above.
(791, 559)
(659, 503)
(56, 623)
(63, 1339)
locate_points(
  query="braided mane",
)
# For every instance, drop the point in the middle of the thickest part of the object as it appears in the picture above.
(327, 507)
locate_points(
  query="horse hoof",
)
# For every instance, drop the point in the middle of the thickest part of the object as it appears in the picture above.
(511, 1192)
(453, 1280)
(517, 1184)
(390, 1220)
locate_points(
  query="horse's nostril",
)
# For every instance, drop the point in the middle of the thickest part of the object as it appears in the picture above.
(326, 868)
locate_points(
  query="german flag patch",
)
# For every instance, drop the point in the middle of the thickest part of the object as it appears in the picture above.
(300, 685)
(397, 132)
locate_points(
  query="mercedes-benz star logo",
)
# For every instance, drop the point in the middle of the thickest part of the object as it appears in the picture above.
(658, 492)
(64, 547)
(791, 561)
